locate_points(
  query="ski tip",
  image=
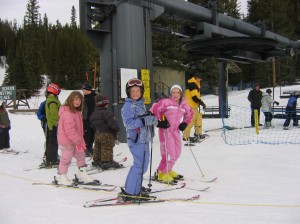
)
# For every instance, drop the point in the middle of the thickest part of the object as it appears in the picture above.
(196, 196)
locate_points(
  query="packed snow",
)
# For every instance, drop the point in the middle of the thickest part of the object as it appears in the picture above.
(256, 183)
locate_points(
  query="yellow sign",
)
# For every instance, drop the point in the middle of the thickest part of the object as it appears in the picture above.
(146, 80)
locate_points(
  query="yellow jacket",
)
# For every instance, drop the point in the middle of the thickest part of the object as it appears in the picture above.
(192, 93)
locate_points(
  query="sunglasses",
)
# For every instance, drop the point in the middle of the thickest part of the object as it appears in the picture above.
(135, 82)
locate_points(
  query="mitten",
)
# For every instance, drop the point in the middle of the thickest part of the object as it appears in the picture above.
(163, 124)
(182, 126)
(81, 147)
(149, 120)
(276, 103)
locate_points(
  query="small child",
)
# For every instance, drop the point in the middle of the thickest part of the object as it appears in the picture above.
(170, 112)
(138, 133)
(4, 127)
(266, 106)
(106, 129)
(52, 107)
(70, 139)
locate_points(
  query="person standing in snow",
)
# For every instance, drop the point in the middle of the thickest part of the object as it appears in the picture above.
(88, 109)
(52, 106)
(255, 96)
(266, 106)
(169, 112)
(192, 95)
(106, 129)
(138, 123)
(291, 111)
(4, 127)
(70, 139)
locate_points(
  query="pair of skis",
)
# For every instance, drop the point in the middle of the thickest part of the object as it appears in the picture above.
(12, 151)
(94, 170)
(96, 185)
(90, 170)
(205, 137)
(115, 202)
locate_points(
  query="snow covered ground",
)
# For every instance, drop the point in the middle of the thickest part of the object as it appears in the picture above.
(256, 184)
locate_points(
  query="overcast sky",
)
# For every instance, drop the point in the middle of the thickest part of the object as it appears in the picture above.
(55, 9)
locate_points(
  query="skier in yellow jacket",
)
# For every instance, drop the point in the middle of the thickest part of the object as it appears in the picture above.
(192, 94)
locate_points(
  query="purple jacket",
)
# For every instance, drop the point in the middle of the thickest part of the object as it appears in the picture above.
(70, 127)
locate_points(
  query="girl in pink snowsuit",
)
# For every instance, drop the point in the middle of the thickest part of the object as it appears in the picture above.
(170, 111)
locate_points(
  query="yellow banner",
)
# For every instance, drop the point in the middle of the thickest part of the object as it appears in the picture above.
(145, 73)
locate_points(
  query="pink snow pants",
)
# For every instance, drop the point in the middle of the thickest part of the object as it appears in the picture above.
(67, 153)
(170, 140)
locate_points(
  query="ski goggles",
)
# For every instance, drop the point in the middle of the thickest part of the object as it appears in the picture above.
(134, 82)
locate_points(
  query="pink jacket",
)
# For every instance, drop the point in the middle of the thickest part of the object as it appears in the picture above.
(170, 138)
(70, 127)
(173, 112)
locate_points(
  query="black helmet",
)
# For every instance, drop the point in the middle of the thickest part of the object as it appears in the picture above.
(134, 82)
(269, 91)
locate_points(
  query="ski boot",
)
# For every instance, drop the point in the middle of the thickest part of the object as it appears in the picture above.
(83, 177)
(175, 175)
(64, 180)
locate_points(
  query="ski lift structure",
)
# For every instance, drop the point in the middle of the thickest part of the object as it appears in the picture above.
(122, 31)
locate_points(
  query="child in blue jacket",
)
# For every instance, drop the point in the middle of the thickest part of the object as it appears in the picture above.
(138, 132)
(291, 111)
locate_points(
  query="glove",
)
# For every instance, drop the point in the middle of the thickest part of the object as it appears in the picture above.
(163, 124)
(149, 120)
(182, 126)
(204, 106)
(81, 147)
(276, 103)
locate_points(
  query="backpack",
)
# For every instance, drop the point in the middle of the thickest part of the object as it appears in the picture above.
(41, 113)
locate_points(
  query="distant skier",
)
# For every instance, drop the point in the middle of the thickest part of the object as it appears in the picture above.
(255, 96)
(266, 107)
(291, 111)
(4, 127)
(88, 109)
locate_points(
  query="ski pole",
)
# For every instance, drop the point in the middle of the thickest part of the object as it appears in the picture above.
(142, 175)
(151, 150)
(196, 161)
(166, 151)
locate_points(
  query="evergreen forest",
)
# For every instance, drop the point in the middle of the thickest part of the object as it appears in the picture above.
(62, 51)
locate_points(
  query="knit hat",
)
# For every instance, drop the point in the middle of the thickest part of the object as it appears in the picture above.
(197, 75)
(269, 91)
(86, 86)
(176, 86)
(101, 101)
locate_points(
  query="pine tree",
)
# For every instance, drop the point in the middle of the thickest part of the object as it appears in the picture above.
(73, 18)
